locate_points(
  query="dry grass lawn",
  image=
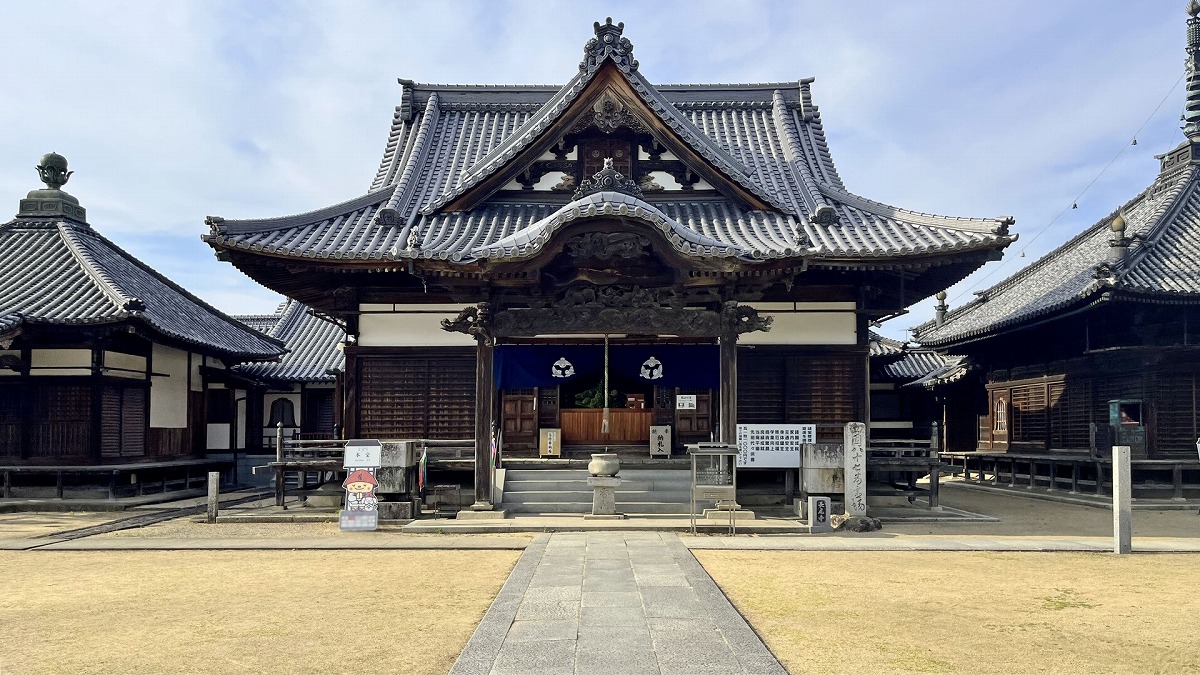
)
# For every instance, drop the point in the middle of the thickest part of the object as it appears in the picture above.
(888, 612)
(27, 525)
(243, 611)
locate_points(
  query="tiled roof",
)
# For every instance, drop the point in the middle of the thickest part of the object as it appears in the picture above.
(262, 323)
(63, 272)
(926, 368)
(766, 138)
(878, 346)
(312, 343)
(1163, 223)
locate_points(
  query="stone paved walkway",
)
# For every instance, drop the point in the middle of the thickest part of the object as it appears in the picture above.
(612, 603)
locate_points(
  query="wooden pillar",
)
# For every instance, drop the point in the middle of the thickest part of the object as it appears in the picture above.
(350, 392)
(96, 421)
(727, 419)
(484, 396)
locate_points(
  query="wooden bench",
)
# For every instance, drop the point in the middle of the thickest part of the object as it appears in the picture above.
(111, 473)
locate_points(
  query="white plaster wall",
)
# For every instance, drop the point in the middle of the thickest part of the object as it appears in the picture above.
(117, 364)
(218, 437)
(169, 391)
(801, 325)
(197, 381)
(409, 326)
(60, 362)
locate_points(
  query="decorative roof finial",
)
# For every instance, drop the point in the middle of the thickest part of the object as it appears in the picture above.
(1191, 110)
(53, 170)
(51, 201)
(939, 310)
(608, 43)
(1118, 246)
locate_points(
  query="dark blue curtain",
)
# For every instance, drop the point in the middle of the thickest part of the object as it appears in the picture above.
(687, 366)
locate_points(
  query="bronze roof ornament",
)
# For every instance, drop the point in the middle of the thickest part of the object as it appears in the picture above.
(1191, 109)
(51, 200)
(53, 170)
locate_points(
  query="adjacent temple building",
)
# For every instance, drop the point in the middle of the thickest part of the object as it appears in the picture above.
(692, 247)
(103, 360)
(1096, 344)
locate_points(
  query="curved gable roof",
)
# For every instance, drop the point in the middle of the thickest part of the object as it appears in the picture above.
(63, 272)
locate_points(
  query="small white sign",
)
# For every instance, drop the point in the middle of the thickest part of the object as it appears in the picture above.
(363, 454)
(685, 402)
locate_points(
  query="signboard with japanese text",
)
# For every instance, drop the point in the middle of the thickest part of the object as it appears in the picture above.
(685, 402)
(362, 460)
(660, 440)
(773, 446)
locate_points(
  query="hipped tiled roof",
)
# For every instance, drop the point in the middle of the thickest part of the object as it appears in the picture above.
(1163, 226)
(62, 272)
(766, 138)
(312, 344)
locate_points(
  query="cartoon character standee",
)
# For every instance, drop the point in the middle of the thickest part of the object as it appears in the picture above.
(360, 487)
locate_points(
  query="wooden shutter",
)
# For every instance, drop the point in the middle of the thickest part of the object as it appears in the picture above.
(419, 396)
(823, 389)
(110, 422)
(133, 422)
(61, 421)
(1175, 413)
(1029, 423)
(10, 419)
(760, 397)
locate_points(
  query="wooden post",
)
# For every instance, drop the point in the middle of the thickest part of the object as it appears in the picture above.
(935, 474)
(1177, 481)
(1122, 506)
(484, 390)
(7, 485)
(728, 406)
(279, 459)
(214, 494)
(112, 484)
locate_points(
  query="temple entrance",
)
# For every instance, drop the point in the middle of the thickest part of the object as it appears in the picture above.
(565, 389)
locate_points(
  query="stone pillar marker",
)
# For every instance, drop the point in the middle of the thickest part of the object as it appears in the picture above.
(1122, 509)
(818, 514)
(855, 463)
(214, 495)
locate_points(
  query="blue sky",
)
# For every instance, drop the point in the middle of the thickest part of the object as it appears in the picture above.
(169, 112)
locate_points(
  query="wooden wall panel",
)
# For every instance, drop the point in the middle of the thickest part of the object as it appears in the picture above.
(10, 420)
(416, 396)
(61, 421)
(625, 426)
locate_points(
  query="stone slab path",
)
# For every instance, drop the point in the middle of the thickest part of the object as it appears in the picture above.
(612, 603)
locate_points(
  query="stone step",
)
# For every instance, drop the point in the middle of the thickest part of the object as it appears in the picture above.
(627, 507)
(566, 497)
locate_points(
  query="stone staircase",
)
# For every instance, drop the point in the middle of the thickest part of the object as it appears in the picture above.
(653, 491)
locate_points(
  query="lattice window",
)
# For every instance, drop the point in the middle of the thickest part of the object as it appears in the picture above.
(1000, 419)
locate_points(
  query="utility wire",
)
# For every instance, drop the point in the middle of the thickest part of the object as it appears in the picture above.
(1074, 202)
